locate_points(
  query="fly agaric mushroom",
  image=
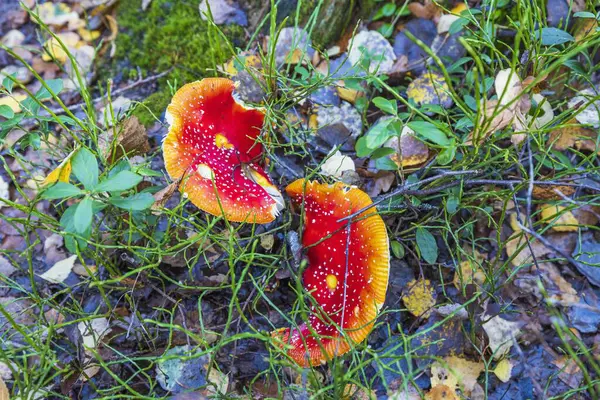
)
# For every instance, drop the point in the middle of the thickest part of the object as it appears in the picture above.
(211, 146)
(347, 273)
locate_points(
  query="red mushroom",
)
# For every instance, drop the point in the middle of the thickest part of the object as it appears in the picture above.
(349, 290)
(212, 147)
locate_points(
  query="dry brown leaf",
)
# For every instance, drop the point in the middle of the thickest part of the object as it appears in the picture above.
(573, 135)
(558, 288)
(551, 192)
(410, 151)
(498, 114)
(162, 196)
(132, 140)
(441, 392)
(428, 10)
(570, 372)
(4, 394)
(501, 334)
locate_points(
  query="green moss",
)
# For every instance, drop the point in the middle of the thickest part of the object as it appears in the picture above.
(151, 108)
(169, 34)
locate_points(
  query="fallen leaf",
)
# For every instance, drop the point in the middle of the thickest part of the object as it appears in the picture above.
(4, 192)
(419, 297)
(336, 164)
(501, 334)
(546, 113)
(132, 140)
(93, 331)
(60, 271)
(13, 101)
(469, 271)
(588, 100)
(54, 49)
(355, 392)
(162, 196)
(551, 192)
(59, 14)
(573, 135)
(503, 370)
(445, 22)
(219, 381)
(410, 151)
(62, 173)
(518, 250)
(4, 393)
(428, 10)
(455, 373)
(87, 35)
(505, 110)
(559, 219)
(570, 373)
(441, 392)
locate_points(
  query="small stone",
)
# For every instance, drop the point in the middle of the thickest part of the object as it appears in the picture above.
(430, 88)
(223, 12)
(6, 268)
(448, 48)
(590, 115)
(557, 12)
(4, 191)
(293, 46)
(587, 254)
(176, 374)
(325, 96)
(585, 315)
(13, 38)
(341, 67)
(22, 74)
(339, 125)
(422, 29)
(372, 47)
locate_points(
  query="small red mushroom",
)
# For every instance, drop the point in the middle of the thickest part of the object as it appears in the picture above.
(212, 144)
(347, 274)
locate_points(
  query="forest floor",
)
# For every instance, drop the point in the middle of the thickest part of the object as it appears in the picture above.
(474, 127)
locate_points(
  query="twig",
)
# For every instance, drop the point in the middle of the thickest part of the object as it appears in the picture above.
(405, 188)
(116, 92)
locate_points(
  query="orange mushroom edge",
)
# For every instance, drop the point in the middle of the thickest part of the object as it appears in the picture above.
(212, 147)
(350, 290)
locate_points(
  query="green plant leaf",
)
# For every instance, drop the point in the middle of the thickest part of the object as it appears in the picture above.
(397, 249)
(382, 152)
(8, 83)
(553, 36)
(584, 14)
(82, 219)
(122, 181)
(361, 147)
(430, 132)
(378, 134)
(85, 168)
(61, 190)
(6, 112)
(137, 202)
(385, 105)
(56, 85)
(427, 245)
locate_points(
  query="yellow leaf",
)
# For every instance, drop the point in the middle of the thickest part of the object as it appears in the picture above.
(55, 50)
(469, 271)
(62, 173)
(4, 394)
(419, 297)
(503, 370)
(13, 101)
(456, 373)
(561, 220)
(88, 35)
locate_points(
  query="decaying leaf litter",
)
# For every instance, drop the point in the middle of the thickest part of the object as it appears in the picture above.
(480, 158)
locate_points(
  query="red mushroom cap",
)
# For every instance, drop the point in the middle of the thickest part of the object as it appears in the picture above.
(212, 145)
(365, 284)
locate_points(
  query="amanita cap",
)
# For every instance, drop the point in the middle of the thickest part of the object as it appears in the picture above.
(212, 145)
(365, 283)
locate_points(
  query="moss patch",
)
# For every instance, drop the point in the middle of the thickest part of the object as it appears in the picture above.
(169, 34)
